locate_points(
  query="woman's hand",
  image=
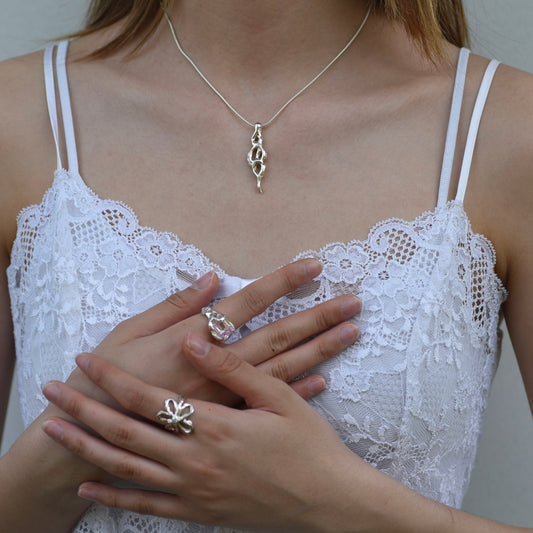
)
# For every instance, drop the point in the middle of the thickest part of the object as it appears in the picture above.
(149, 345)
(274, 466)
(38, 474)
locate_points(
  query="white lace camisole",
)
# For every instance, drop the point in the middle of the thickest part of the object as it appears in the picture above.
(408, 397)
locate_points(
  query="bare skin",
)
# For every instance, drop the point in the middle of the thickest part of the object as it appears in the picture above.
(387, 121)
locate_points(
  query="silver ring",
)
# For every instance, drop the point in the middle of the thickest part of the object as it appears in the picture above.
(176, 415)
(219, 326)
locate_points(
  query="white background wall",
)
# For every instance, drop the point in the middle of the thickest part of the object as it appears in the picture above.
(502, 483)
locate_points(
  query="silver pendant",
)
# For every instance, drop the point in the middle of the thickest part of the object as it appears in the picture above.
(257, 156)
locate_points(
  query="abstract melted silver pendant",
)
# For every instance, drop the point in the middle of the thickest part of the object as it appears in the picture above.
(257, 155)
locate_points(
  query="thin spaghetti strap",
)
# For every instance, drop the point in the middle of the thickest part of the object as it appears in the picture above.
(66, 108)
(474, 128)
(453, 126)
(51, 97)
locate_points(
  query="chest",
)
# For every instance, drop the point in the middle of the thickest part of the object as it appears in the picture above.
(331, 181)
(336, 165)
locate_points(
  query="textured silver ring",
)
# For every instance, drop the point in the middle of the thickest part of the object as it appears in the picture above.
(219, 326)
(176, 415)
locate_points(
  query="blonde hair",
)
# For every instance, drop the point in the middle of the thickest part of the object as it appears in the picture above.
(428, 22)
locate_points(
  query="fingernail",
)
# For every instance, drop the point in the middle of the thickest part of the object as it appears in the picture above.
(83, 362)
(313, 268)
(51, 392)
(87, 493)
(316, 385)
(202, 283)
(348, 334)
(198, 346)
(53, 429)
(351, 306)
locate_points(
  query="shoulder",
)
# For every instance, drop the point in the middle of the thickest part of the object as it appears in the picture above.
(510, 110)
(506, 138)
(27, 150)
(502, 171)
(21, 92)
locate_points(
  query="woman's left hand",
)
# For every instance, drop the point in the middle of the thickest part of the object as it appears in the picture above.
(276, 465)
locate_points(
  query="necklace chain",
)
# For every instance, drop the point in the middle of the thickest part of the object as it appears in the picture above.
(257, 154)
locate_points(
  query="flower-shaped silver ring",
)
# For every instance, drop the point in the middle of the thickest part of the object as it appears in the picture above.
(176, 415)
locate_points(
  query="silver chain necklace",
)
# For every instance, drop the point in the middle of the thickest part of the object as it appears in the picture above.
(257, 154)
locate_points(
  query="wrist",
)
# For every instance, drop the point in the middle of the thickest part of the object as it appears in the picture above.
(396, 508)
(368, 501)
(38, 485)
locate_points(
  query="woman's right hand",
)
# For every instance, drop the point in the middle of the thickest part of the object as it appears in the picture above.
(38, 474)
(149, 345)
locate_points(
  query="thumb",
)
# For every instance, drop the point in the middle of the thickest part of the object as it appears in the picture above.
(217, 363)
(175, 308)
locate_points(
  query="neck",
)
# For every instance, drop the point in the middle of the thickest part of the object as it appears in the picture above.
(264, 41)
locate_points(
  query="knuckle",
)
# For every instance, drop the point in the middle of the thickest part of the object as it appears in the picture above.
(125, 469)
(291, 278)
(324, 350)
(178, 301)
(145, 507)
(135, 401)
(207, 471)
(279, 339)
(229, 363)
(73, 407)
(119, 435)
(323, 318)
(78, 447)
(210, 496)
(112, 499)
(254, 301)
(281, 370)
(221, 434)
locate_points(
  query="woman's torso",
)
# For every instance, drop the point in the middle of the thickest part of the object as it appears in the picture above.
(401, 302)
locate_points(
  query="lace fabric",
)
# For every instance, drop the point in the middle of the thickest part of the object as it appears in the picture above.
(408, 398)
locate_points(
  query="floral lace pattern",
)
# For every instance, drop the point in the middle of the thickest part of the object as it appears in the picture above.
(408, 398)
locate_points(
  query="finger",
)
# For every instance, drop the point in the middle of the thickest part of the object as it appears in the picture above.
(116, 428)
(309, 386)
(292, 330)
(291, 364)
(259, 295)
(116, 461)
(140, 398)
(136, 500)
(176, 307)
(133, 394)
(218, 364)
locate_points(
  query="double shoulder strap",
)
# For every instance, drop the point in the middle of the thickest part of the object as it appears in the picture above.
(453, 127)
(64, 99)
